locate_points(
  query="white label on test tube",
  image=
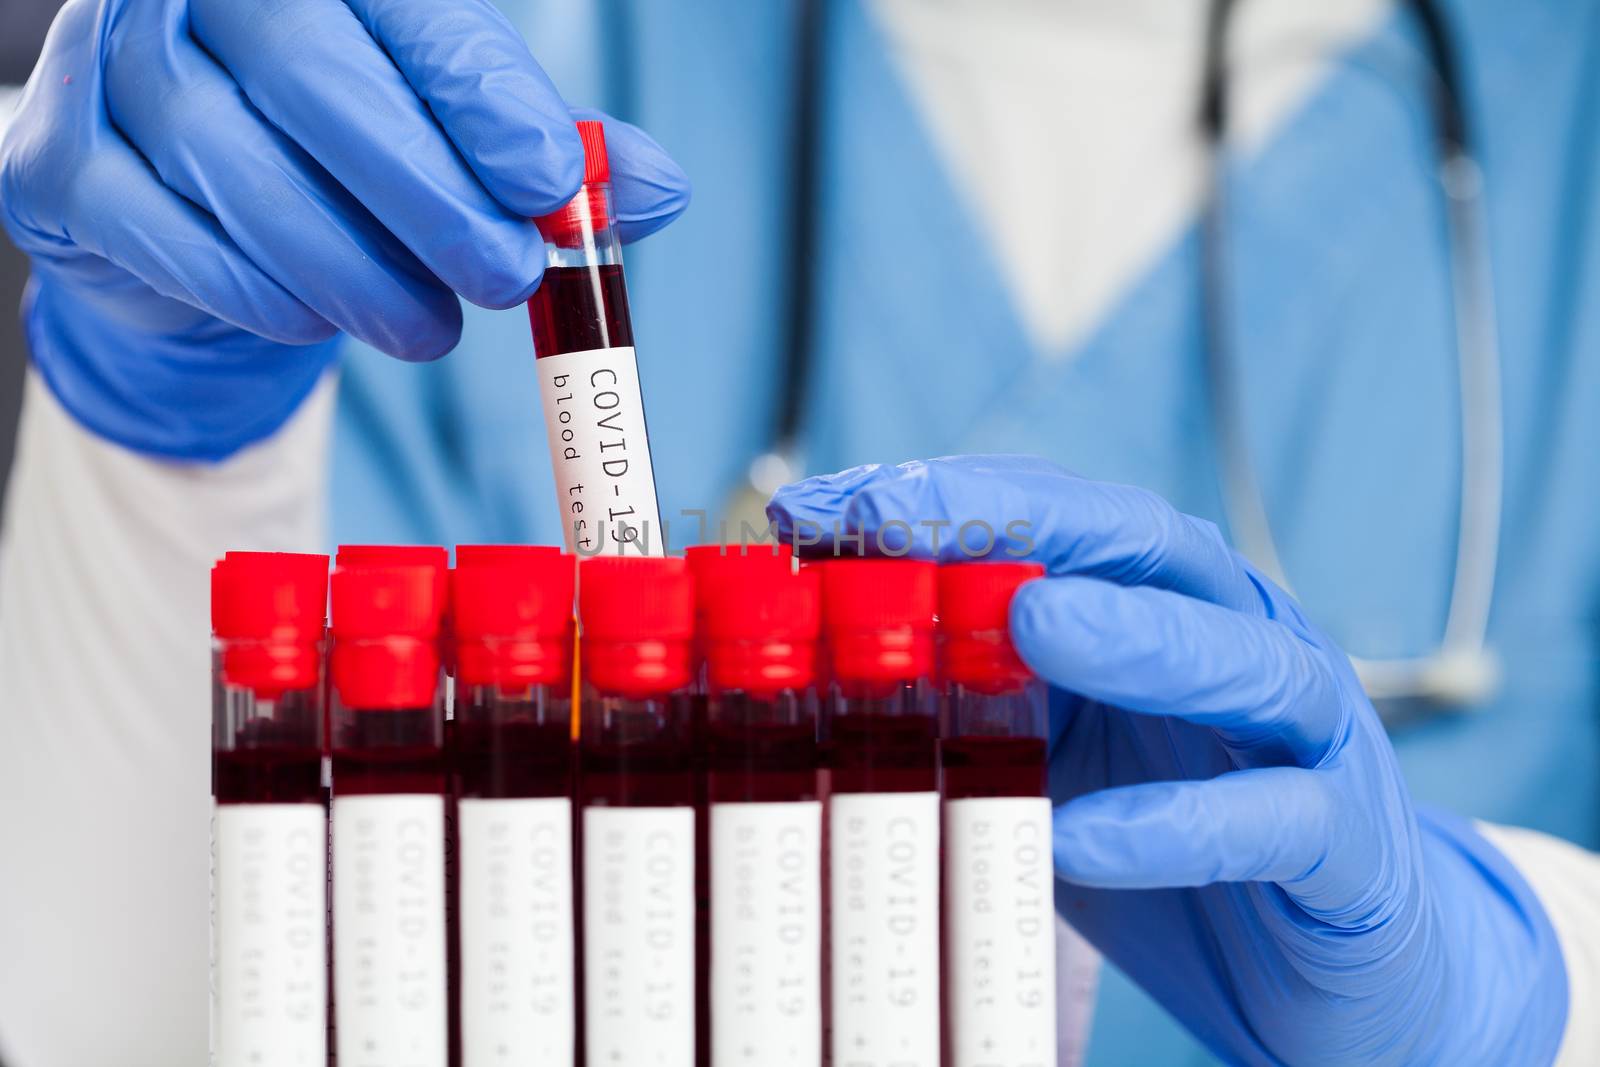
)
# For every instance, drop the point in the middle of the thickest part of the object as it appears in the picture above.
(1000, 913)
(766, 934)
(517, 971)
(388, 930)
(884, 881)
(594, 419)
(271, 981)
(638, 936)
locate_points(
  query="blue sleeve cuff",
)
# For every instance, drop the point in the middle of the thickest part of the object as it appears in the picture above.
(198, 395)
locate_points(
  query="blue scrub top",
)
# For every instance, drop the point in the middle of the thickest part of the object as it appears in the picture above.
(1340, 298)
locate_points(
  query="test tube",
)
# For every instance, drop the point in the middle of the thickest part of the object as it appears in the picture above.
(760, 640)
(999, 902)
(270, 820)
(714, 565)
(388, 816)
(637, 831)
(511, 758)
(589, 376)
(437, 559)
(880, 732)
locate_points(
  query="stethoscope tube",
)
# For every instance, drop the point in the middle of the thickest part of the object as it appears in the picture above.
(1462, 670)
(780, 462)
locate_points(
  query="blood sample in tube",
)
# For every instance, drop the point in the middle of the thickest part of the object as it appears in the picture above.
(389, 788)
(880, 730)
(512, 768)
(999, 885)
(637, 820)
(270, 822)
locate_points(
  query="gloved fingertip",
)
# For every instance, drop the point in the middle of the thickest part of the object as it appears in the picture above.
(648, 186)
(307, 328)
(1034, 620)
(319, 331)
(546, 174)
(657, 216)
(511, 295)
(435, 338)
(1084, 852)
(822, 499)
(1061, 626)
(507, 268)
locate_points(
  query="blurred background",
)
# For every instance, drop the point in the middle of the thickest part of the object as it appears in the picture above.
(22, 28)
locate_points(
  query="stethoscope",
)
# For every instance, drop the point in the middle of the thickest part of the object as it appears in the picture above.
(1461, 670)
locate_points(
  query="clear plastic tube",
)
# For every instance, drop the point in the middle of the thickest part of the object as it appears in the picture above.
(270, 822)
(637, 822)
(511, 757)
(389, 909)
(999, 902)
(589, 376)
(714, 567)
(880, 729)
(764, 831)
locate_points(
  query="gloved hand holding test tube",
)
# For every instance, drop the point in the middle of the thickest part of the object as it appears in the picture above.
(210, 196)
(1233, 829)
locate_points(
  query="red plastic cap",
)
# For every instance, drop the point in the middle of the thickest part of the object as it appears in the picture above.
(977, 596)
(513, 618)
(596, 163)
(764, 603)
(878, 617)
(717, 565)
(699, 555)
(268, 609)
(862, 594)
(565, 227)
(262, 595)
(635, 598)
(510, 597)
(385, 635)
(386, 601)
(471, 555)
(974, 613)
(433, 557)
(761, 632)
(391, 555)
(637, 615)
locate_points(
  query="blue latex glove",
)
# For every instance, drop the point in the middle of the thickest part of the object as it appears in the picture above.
(1234, 830)
(211, 189)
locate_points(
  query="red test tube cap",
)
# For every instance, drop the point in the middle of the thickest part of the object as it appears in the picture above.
(434, 557)
(268, 610)
(635, 598)
(697, 555)
(878, 616)
(391, 555)
(386, 622)
(264, 594)
(761, 631)
(565, 227)
(974, 619)
(715, 565)
(596, 162)
(472, 555)
(765, 603)
(637, 615)
(864, 594)
(513, 618)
